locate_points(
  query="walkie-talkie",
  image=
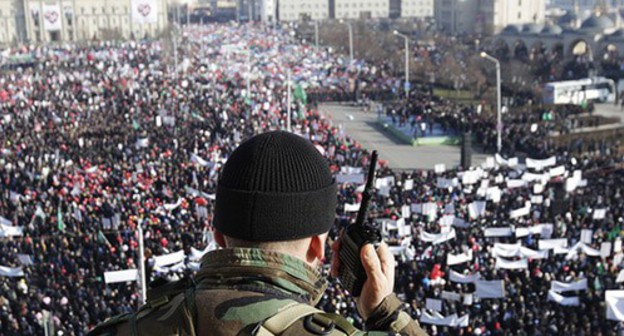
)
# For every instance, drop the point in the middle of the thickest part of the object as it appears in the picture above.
(351, 272)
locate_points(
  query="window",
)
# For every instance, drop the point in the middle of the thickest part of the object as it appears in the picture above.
(519, 15)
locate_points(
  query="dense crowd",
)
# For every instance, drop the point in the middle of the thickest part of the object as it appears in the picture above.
(97, 140)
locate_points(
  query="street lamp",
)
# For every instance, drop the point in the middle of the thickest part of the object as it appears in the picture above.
(406, 61)
(499, 124)
(350, 38)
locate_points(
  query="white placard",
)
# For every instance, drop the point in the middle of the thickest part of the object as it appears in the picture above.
(121, 276)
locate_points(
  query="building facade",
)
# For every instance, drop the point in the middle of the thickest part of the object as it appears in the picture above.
(78, 20)
(12, 26)
(362, 9)
(417, 8)
(487, 16)
(456, 16)
(293, 10)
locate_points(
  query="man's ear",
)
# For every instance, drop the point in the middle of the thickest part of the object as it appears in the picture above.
(316, 248)
(220, 239)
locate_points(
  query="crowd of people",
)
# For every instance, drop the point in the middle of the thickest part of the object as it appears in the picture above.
(95, 141)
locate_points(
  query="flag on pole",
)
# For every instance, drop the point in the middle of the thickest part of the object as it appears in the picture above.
(101, 238)
(59, 217)
(300, 94)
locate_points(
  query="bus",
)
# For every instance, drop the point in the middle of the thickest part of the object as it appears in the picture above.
(578, 91)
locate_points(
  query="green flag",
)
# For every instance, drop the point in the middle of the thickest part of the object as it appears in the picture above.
(135, 124)
(59, 217)
(101, 238)
(301, 94)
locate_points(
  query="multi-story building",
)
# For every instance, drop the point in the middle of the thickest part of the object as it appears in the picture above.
(12, 21)
(456, 16)
(74, 20)
(292, 10)
(487, 16)
(362, 9)
(417, 8)
(498, 14)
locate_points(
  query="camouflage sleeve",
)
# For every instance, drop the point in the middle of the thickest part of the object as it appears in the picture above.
(390, 317)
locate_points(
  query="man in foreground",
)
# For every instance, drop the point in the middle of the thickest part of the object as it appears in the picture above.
(276, 201)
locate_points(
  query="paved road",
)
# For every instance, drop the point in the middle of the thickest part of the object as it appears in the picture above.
(605, 110)
(362, 127)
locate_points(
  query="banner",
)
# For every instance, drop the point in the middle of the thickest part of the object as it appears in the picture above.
(198, 254)
(198, 160)
(563, 300)
(541, 164)
(443, 183)
(530, 177)
(11, 271)
(455, 259)
(25, 259)
(490, 289)
(557, 171)
(615, 304)
(52, 18)
(350, 170)
(476, 209)
(351, 207)
(386, 181)
(5, 222)
(524, 211)
(511, 162)
(145, 11)
(168, 259)
(506, 250)
(528, 253)
(142, 143)
(121, 276)
(561, 287)
(11, 231)
(620, 277)
(592, 252)
(437, 238)
(409, 185)
(450, 296)
(599, 213)
(605, 249)
(544, 230)
(512, 184)
(549, 244)
(511, 264)
(439, 168)
(350, 178)
(458, 277)
(471, 176)
(493, 194)
(434, 304)
(449, 321)
(498, 232)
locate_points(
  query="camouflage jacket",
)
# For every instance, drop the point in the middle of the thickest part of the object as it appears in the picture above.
(236, 290)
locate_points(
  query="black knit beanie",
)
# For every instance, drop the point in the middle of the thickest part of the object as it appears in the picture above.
(275, 186)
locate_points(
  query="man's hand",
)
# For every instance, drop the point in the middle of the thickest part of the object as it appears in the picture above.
(379, 267)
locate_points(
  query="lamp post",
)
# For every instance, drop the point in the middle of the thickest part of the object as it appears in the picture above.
(406, 38)
(350, 38)
(499, 124)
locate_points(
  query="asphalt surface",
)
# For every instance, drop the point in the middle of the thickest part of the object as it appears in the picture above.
(362, 127)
